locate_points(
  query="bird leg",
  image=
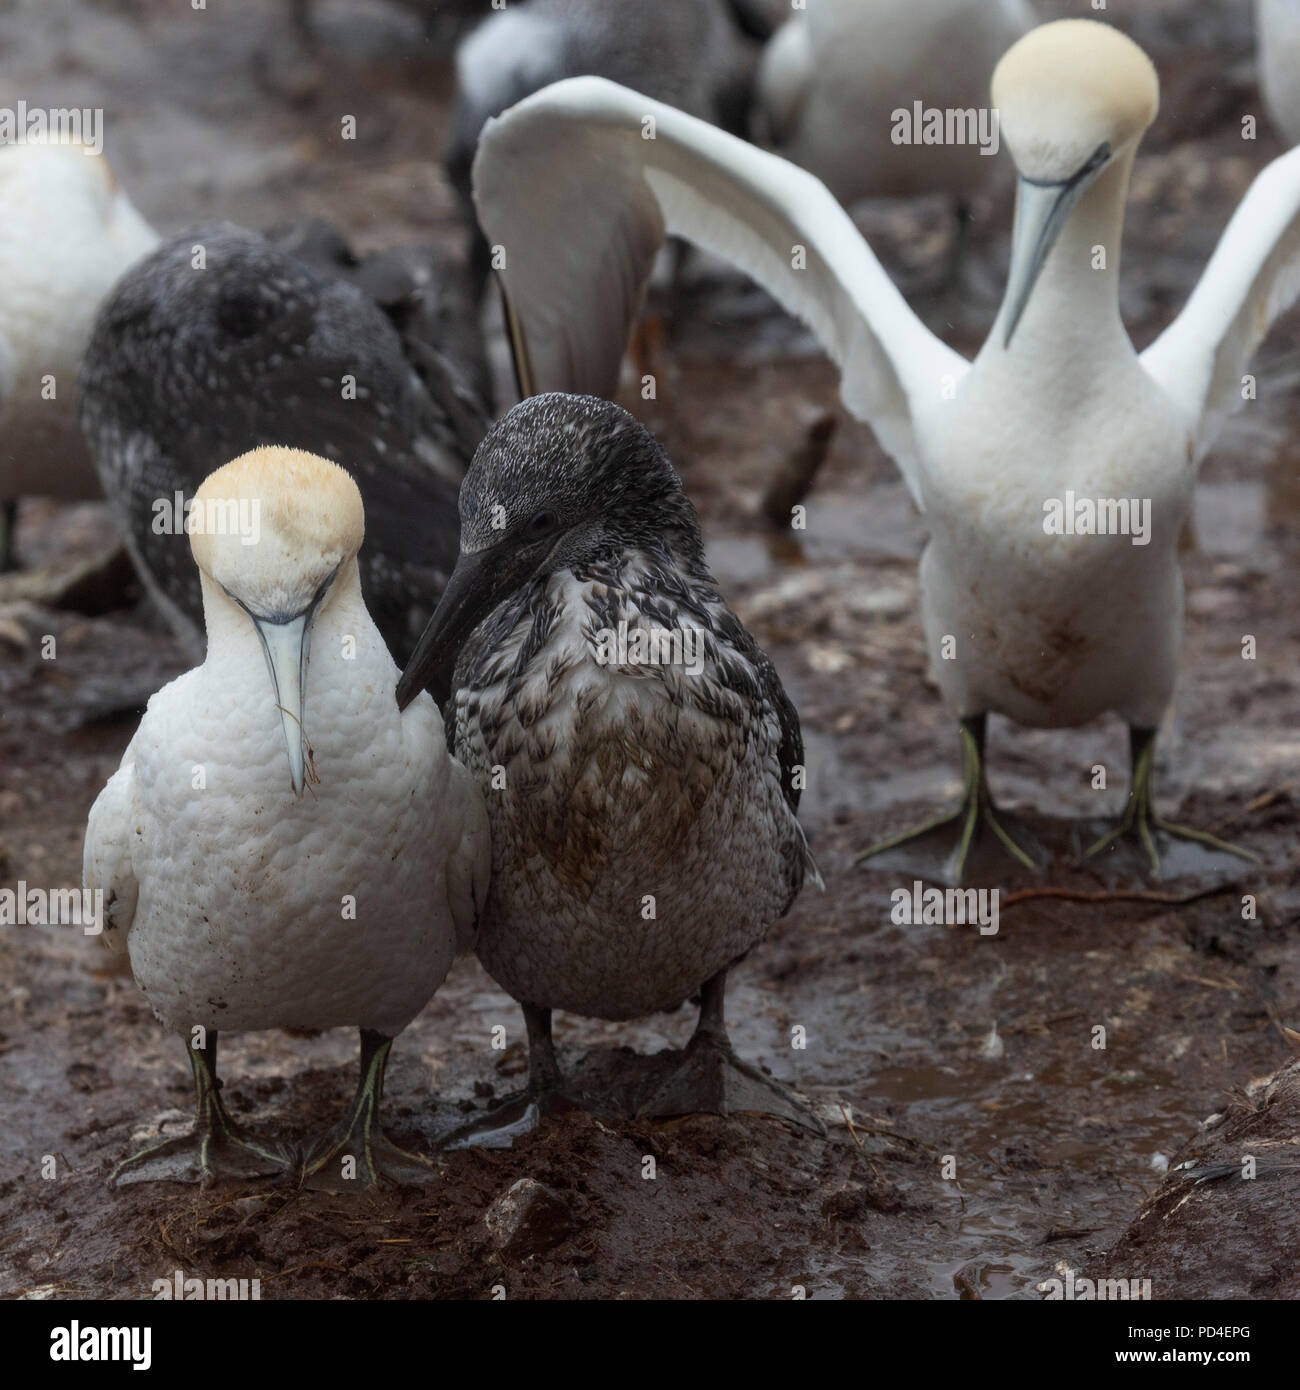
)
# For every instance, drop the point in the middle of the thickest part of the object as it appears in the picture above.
(963, 221)
(215, 1147)
(8, 530)
(707, 1077)
(356, 1153)
(544, 1078)
(1142, 823)
(946, 841)
(522, 1112)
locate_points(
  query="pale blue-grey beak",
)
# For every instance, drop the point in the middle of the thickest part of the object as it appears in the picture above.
(1042, 210)
(287, 646)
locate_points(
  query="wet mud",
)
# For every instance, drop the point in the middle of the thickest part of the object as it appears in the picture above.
(979, 1141)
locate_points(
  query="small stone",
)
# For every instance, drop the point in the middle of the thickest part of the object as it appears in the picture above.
(528, 1218)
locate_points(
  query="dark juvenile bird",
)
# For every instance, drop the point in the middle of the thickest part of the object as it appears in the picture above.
(220, 342)
(638, 755)
(692, 54)
(425, 294)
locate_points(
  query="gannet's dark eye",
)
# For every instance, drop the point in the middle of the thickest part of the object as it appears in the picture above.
(541, 523)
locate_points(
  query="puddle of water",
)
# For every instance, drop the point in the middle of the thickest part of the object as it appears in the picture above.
(995, 1242)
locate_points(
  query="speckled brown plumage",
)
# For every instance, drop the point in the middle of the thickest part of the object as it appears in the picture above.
(609, 785)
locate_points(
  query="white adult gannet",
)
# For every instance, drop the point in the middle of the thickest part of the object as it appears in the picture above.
(832, 77)
(1048, 629)
(1277, 47)
(67, 231)
(244, 904)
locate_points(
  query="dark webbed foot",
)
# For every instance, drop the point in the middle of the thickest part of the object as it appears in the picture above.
(515, 1116)
(1167, 850)
(941, 849)
(521, 1113)
(215, 1148)
(707, 1077)
(356, 1153)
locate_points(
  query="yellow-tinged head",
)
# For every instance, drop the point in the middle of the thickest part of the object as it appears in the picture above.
(1067, 89)
(273, 529)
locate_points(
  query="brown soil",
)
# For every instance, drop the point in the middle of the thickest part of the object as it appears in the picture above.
(923, 1042)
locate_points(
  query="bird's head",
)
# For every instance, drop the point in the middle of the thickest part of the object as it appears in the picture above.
(273, 530)
(556, 483)
(1073, 97)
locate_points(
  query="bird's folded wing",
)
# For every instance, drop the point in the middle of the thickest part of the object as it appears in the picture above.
(1252, 278)
(106, 860)
(469, 866)
(577, 186)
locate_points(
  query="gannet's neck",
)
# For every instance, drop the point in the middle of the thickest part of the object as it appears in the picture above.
(1072, 317)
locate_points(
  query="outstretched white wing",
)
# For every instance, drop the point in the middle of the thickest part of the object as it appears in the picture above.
(1252, 278)
(578, 186)
(111, 832)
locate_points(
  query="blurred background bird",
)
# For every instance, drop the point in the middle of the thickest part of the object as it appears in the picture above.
(1277, 31)
(834, 75)
(219, 342)
(691, 54)
(67, 233)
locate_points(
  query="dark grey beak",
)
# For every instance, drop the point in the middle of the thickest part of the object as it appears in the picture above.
(1042, 209)
(478, 583)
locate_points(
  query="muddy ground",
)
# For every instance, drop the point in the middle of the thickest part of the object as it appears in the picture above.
(924, 1043)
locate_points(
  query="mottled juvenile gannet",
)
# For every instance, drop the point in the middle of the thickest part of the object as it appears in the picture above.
(244, 904)
(1277, 36)
(835, 74)
(220, 342)
(1047, 628)
(67, 231)
(688, 53)
(637, 752)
